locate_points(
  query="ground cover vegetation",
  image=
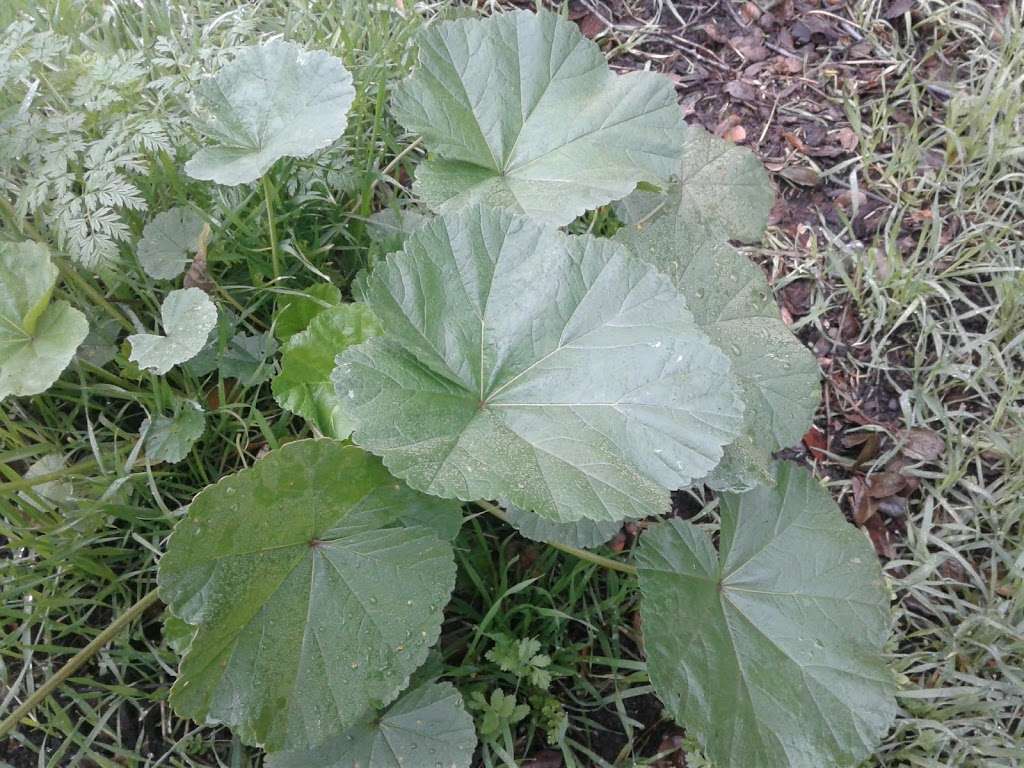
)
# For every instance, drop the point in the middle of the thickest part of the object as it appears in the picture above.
(392, 385)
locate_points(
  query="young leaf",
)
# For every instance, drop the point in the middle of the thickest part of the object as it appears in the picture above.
(426, 726)
(521, 111)
(581, 533)
(770, 650)
(304, 385)
(585, 394)
(726, 194)
(274, 100)
(188, 316)
(38, 337)
(296, 312)
(170, 438)
(167, 241)
(307, 615)
(248, 358)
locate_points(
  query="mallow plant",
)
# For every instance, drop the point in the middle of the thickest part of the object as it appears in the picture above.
(491, 362)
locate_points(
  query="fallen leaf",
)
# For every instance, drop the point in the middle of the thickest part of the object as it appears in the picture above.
(197, 275)
(741, 90)
(816, 443)
(881, 485)
(737, 134)
(847, 139)
(863, 505)
(897, 8)
(880, 537)
(801, 175)
(923, 444)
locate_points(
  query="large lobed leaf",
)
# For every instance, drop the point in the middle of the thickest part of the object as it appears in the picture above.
(555, 371)
(274, 100)
(38, 337)
(770, 650)
(311, 607)
(521, 111)
(724, 193)
(427, 726)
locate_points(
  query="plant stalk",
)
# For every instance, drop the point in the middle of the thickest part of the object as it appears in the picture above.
(104, 637)
(271, 227)
(582, 554)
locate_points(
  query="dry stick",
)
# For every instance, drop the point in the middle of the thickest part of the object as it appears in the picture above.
(582, 554)
(76, 661)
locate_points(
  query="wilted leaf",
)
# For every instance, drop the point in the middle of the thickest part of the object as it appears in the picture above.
(588, 394)
(308, 613)
(520, 110)
(770, 650)
(167, 241)
(428, 726)
(274, 100)
(304, 385)
(38, 337)
(581, 533)
(188, 316)
(170, 438)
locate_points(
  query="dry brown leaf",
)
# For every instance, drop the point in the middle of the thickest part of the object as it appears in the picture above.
(923, 444)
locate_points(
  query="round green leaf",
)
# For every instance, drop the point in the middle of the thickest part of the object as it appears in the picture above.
(581, 533)
(770, 650)
(521, 111)
(170, 438)
(587, 393)
(309, 613)
(37, 338)
(296, 311)
(274, 100)
(167, 241)
(188, 316)
(726, 194)
(304, 385)
(427, 726)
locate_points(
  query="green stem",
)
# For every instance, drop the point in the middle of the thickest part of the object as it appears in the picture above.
(104, 637)
(582, 554)
(271, 227)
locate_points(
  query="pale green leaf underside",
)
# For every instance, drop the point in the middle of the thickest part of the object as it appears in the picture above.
(304, 385)
(729, 197)
(274, 100)
(309, 612)
(167, 242)
(38, 337)
(427, 726)
(588, 393)
(581, 533)
(770, 651)
(170, 438)
(520, 110)
(188, 316)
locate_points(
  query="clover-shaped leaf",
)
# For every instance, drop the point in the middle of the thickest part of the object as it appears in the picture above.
(310, 609)
(274, 100)
(167, 242)
(587, 394)
(724, 193)
(427, 726)
(304, 385)
(38, 337)
(188, 316)
(769, 650)
(521, 111)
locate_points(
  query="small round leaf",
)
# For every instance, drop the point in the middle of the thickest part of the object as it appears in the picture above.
(167, 242)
